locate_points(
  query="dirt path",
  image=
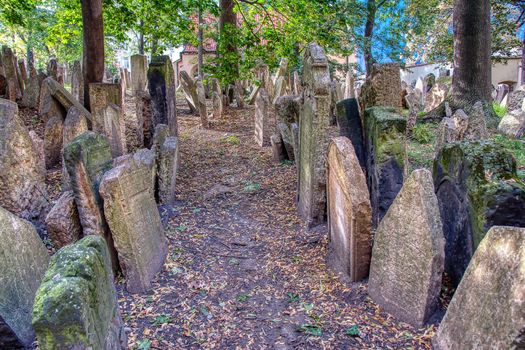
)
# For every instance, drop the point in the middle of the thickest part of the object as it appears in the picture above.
(242, 271)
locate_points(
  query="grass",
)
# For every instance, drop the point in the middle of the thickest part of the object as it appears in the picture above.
(517, 149)
(421, 147)
(499, 110)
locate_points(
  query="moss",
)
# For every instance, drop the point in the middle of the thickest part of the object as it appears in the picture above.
(386, 128)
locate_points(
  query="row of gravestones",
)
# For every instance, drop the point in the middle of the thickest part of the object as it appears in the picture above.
(424, 226)
(427, 224)
(111, 203)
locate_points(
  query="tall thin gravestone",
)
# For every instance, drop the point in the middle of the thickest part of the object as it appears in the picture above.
(161, 81)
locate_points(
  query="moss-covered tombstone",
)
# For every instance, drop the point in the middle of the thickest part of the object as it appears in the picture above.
(161, 82)
(477, 187)
(76, 305)
(385, 157)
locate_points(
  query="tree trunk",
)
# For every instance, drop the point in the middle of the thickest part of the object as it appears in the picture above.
(471, 81)
(201, 43)
(93, 32)
(228, 21)
(522, 82)
(141, 38)
(369, 32)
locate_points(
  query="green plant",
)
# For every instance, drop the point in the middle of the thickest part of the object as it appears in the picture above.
(144, 344)
(251, 186)
(311, 329)
(231, 140)
(161, 319)
(352, 331)
(517, 149)
(242, 297)
(293, 298)
(421, 133)
(499, 110)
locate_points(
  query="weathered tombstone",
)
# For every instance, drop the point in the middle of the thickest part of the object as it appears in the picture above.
(280, 87)
(23, 71)
(102, 94)
(10, 73)
(294, 128)
(487, 310)
(139, 73)
(238, 92)
(278, 150)
(217, 105)
(52, 69)
(262, 106)
(452, 129)
(135, 224)
(161, 81)
(477, 123)
(349, 85)
(477, 188)
(253, 94)
(77, 82)
(74, 125)
(314, 135)
(190, 91)
(287, 140)
(23, 262)
(201, 102)
(502, 91)
(288, 108)
(38, 146)
(408, 254)
(87, 158)
(349, 212)
(32, 92)
(76, 305)
(435, 96)
(515, 100)
(21, 178)
(385, 157)
(513, 124)
(53, 135)
(383, 87)
(54, 94)
(62, 222)
(167, 169)
(144, 118)
(350, 125)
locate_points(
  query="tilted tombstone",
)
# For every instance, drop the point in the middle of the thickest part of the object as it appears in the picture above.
(77, 82)
(74, 125)
(515, 100)
(161, 82)
(314, 135)
(477, 187)
(287, 109)
(134, 220)
(349, 212)
(54, 97)
(139, 73)
(262, 106)
(62, 221)
(201, 102)
(190, 91)
(385, 157)
(487, 310)
(383, 87)
(350, 125)
(278, 150)
(87, 158)
(408, 253)
(53, 135)
(76, 305)
(297, 89)
(10, 73)
(279, 89)
(23, 262)
(513, 124)
(21, 177)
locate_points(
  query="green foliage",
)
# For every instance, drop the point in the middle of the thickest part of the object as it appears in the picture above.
(293, 298)
(352, 331)
(517, 149)
(231, 140)
(161, 319)
(499, 110)
(311, 329)
(144, 344)
(422, 133)
(242, 297)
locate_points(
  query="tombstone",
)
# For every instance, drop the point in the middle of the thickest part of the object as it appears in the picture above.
(436, 96)
(262, 106)
(87, 158)
(109, 122)
(281, 71)
(3, 84)
(62, 222)
(385, 157)
(297, 89)
(280, 87)
(278, 150)
(314, 135)
(139, 73)
(477, 187)
(49, 107)
(487, 310)
(452, 129)
(76, 305)
(349, 212)
(477, 123)
(161, 81)
(10, 72)
(32, 92)
(38, 146)
(74, 125)
(21, 178)
(52, 69)
(102, 94)
(135, 224)
(287, 139)
(190, 91)
(55, 98)
(253, 94)
(217, 105)
(123, 81)
(238, 92)
(167, 169)
(515, 100)
(77, 82)
(294, 128)
(144, 118)
(349, 85)
(288, 108)
(383, 87)
(350, 125)
(23, 262)
(513, 124)
(53, 135)
(201, 102)
(408, 254)
(503, 90)
(23, 71)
